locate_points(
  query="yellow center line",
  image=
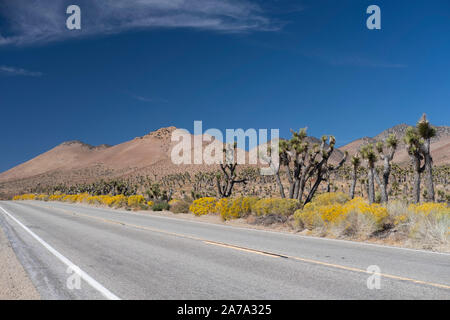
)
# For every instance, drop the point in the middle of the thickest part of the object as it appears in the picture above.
(265, 253)
(225, 245)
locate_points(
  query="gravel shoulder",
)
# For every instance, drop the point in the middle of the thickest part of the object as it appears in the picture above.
(14, 281)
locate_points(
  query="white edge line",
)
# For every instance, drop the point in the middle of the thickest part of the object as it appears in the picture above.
(350, 242)
(96, 285)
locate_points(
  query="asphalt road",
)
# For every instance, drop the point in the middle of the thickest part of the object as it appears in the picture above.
(124, 255)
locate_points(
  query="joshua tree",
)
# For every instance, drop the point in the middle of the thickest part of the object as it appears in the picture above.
(356, 162)
(418, 142)
(293, 156)
(370, 156)
(391, 143)
(155, 192)
(413, 143)
(303, 161)
(228, 175)
(275, 169)
(322, 168)
(426, 132)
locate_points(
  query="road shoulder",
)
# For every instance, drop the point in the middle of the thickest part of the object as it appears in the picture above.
(14, 281)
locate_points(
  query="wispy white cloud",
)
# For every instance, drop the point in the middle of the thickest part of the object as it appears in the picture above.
(352, 60)
(37, 21)
(358, 61)
(147, 99)
(13, 71)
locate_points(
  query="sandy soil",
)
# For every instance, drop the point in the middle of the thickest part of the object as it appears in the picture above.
(14, 282)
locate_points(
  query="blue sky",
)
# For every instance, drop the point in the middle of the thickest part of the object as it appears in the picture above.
(139, 65)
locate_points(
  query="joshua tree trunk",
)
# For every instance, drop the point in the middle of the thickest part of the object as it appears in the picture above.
(356, 161)
(370, 185)
(280, 185)
(369, 154)
(428, 171)
(296, 188)
(353, 185)
(276, 170)
(429, 178)
(391, 143)
(416, 187)
(385, 180)
(417, 176)
(313, 189)
(383, 183)
(302, 183)
(291, 182)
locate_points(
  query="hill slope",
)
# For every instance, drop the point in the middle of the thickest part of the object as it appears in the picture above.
(75, 161)
(440, 145)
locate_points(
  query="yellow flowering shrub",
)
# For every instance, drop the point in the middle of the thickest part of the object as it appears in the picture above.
(135, 201)
(42, 197)
(82, 198)
(115, 201)
(285, 207)
(327, 213)
(375, 211)
(70, 198)
(400, 219)
(95, 200)
(56, 197)
(309, 217)
(248, 203)
(28, 196)
(75, 197)
(235, 208)
(229, 208)
(429, 207)
(203, 206)
(330, 198)
(150, 203)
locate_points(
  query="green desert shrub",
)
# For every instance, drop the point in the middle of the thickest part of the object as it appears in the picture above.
(160, 206)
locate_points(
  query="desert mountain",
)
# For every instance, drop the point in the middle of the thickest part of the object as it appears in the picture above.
(78, 162)
(75, 161)
(440, 145)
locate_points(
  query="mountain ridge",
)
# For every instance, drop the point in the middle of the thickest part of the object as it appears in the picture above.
(76, 161)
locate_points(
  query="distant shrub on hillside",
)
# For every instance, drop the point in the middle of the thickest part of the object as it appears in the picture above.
(179, 206)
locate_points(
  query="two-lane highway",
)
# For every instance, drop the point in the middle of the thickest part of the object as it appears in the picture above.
(129, 255)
